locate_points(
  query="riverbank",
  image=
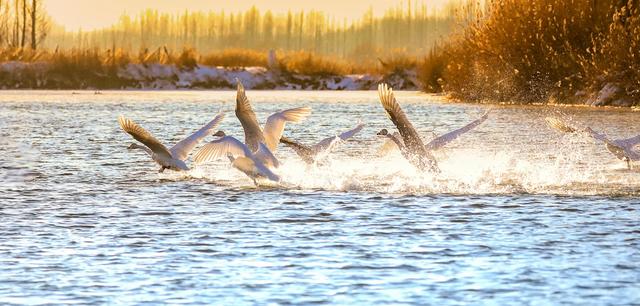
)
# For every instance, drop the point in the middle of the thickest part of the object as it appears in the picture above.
(163, 69)
(40, 75)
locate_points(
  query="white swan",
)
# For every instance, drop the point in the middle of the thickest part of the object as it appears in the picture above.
(311, 154)
(174, 158)
(273, 128)
(412, 147)
(622, 149)
(254, 165)
(436, 143)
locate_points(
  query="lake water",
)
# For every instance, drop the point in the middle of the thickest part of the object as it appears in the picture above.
(519, 214)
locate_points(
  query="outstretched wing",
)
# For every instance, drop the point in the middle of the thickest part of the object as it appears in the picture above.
(141, 135)
(352, 132)
(441, 141)
(275, 124)
(559, 125)
(630, 143)
(596, 135)
(304, 152)
(615, 149)
(182, 149)
(407, 131)
(252, 131)
(329, 142)
(220, 148)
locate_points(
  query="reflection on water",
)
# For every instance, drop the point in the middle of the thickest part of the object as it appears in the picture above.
(519, 213)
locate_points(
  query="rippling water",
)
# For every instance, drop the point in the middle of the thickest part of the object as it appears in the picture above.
(520, 214)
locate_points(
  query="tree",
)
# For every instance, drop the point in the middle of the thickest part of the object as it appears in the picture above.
(24, 23)
(39, 23)
(34, 14)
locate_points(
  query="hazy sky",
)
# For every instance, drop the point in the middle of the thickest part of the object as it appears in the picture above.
(91, 14)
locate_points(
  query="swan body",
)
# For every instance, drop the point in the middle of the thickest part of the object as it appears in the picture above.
(255, 165)
(623, 149)
(273, 128)
(311, 154)
(174, 158)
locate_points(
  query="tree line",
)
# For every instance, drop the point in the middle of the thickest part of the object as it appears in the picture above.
(413, 28)
(23, 23)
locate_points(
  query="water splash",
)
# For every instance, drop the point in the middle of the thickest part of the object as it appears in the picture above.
(565, 171)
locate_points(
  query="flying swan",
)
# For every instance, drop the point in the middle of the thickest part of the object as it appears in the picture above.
(411, 146)
(273, 128)
(174, 158)
(623, 149)
(436, 143)
(311, 154)
(254, 165)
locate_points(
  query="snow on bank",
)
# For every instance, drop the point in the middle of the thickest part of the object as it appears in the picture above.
(160, 76)
(157, 76)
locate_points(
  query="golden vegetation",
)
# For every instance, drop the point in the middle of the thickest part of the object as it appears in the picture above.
(534, 51)
(76, 68)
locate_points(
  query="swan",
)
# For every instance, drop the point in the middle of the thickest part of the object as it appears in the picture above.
(174, 158)
(414, 150)
(254, 165)
(273, 128)
(623, 149)
(311, 154)
(436, 143)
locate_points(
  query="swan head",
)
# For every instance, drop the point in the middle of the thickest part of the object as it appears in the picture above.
(133, 146)
(383, 132)
(230, 157)
(220, 134)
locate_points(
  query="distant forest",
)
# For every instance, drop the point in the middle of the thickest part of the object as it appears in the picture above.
(411, 28)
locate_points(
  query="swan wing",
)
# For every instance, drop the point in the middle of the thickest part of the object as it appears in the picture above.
(615, 149)
(252, 131)
(407, 131)
(441, 141)
(182, 149)
(303, 151)
(328, 143)
(629, 142)
(352, 132)
(275, 124)
(220, 148)
(143, 136)
(559, 125)
(596, 135)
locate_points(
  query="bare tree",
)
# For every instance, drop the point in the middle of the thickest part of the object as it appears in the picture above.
(34, 15)
(2, 24)
(16, 29)
(39, 23)
(24, 23)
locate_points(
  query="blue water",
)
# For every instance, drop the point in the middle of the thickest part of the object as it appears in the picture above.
(519, 215)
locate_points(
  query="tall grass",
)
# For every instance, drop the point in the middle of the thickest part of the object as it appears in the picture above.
(536, 51)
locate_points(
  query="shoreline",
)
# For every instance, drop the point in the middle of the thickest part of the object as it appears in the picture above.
(44, 75)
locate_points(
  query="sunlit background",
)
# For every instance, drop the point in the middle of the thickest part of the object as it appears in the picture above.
(95, 14)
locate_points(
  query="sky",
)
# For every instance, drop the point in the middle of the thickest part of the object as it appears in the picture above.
(94, 14)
